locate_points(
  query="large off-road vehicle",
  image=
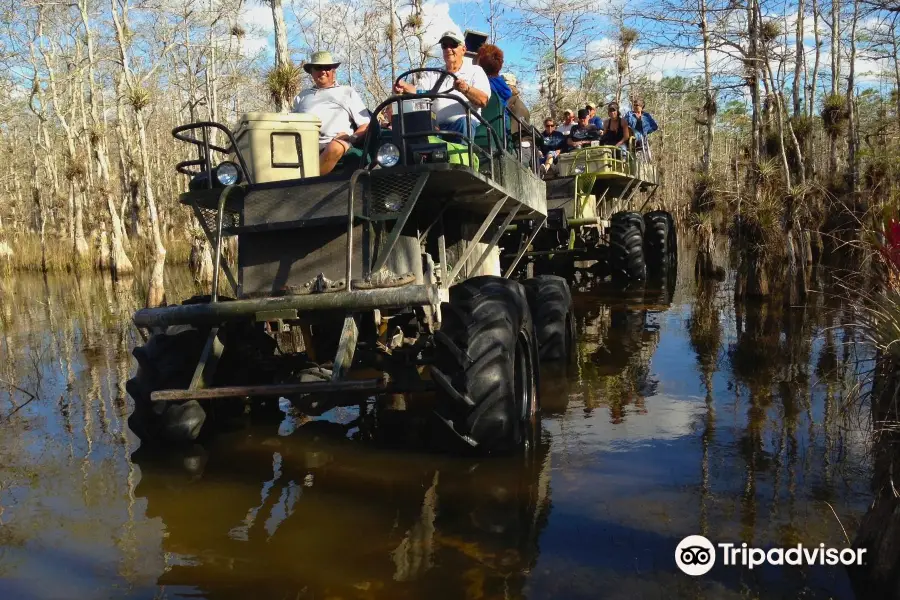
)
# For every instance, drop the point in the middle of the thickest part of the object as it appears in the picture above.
(381, 278)
(594, 223)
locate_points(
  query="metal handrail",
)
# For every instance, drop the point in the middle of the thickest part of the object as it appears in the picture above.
(204, 146)
(468, 136)
(620, 165)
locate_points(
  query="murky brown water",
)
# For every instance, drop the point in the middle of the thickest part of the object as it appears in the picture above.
(683, 417)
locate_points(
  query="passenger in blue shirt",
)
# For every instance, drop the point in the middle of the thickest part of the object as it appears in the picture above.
(642, 125)
(552, 142)
(593, 119)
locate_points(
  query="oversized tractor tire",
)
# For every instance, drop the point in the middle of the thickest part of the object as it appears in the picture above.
(626, 247)
(166, 361)
(660, 242)
(550, 301)
(486, 364)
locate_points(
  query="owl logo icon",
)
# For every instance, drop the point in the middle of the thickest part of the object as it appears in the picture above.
(695, 555)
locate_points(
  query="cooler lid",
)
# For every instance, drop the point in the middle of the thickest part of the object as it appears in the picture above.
(282, 117)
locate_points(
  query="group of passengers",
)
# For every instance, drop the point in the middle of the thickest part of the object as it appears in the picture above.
(345, 118)
(589, 129)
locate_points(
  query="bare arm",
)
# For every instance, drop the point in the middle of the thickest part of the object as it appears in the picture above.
(476, 97)
(404, 88)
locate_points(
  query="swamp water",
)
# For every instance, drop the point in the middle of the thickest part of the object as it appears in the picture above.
(685, 414)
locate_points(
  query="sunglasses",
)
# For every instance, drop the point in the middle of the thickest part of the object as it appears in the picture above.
(549, 124)
(324, 68)
(450, 45)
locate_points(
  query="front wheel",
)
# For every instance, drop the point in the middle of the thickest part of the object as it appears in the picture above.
(486, 365)
(166, 361)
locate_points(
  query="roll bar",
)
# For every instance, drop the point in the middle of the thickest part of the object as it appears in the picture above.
(204, 146)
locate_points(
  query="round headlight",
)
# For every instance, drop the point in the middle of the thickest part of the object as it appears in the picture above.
(388, 155)
(578, 169)
(228, 173)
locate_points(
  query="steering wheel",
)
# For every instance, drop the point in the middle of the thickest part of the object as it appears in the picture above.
(437, 86)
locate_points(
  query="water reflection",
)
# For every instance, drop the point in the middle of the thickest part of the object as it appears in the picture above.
(685, 413)
(315, 513)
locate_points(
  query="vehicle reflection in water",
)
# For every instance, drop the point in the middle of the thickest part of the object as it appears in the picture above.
(316, 514)
(685, 413)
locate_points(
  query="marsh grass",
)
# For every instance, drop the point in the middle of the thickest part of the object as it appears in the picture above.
(60, 257)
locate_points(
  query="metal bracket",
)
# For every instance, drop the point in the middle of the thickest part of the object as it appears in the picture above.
(439, 216)
(470, 247)
(523, 249)
(343, 360)
(210, 237)
(400, 223)
(496, 237)
(649, 198)
(631, 189)
(209, 360)
(351, 221)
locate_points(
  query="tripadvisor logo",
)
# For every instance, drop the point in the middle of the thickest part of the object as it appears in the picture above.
(695, 555)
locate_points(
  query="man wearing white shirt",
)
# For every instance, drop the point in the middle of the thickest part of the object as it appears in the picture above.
(471, 85)
(568, 123)
(344, 115)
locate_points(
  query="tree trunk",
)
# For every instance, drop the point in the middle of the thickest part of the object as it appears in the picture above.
(37, 196)
(710, 104)
(852, 158)
(815, 73)
(282, 55)
(753, 84)
(156, 294)
(81, 244)
(895, 55)
(798, 59)
(119, 262)
(835, 73)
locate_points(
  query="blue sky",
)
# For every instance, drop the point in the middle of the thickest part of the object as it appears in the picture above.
(441, 15)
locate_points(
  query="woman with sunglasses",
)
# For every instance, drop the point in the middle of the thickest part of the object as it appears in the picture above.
(615, 129)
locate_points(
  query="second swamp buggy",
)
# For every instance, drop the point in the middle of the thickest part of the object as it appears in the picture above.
(380, 278)
(595, 221)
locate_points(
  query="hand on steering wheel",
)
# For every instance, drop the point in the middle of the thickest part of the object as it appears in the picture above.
(438, 84)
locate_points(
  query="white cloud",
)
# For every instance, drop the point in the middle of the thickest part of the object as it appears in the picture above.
(258, 17)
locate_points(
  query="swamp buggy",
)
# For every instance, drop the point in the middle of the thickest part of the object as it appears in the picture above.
(594, 224)
(381, 278)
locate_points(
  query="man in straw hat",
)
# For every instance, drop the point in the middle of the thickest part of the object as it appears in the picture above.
(471, 85)
(344, 116)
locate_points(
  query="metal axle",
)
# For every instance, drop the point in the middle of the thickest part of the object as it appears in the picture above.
(357, 300)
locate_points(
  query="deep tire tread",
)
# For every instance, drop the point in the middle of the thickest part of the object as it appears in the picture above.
(550, 300)
(659, 240)
(626, 242)
(475, 361)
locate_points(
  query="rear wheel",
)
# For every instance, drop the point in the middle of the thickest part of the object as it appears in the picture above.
(550, 302)
(659, 241)
(486, 364)
(626, 245)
